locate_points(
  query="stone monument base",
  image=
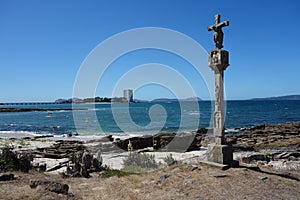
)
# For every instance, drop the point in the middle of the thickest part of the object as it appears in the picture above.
(222, 154)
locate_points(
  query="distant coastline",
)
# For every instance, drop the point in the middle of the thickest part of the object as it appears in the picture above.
(106, 100)
(286, 97)
(36, 109)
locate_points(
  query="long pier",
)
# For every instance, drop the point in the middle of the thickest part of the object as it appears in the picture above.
(27, 103)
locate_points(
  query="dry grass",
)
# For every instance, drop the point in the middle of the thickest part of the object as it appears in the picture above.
(235, 183)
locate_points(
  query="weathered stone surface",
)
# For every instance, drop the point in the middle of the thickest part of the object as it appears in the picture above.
(84, 172)
(220, 154)
(267, 136)
(220, 175)
(6, 177)
(42, 167)
(254, 158)
(168, 141)
(218, 33)
(87, 160)
(136, 142)
(61, 149)
(202, 131)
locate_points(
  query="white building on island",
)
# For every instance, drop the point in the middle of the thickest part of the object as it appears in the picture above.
(128, 95)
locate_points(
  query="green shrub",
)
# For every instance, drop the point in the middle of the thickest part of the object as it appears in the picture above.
(108, 172)
(10, 160)
(137, 162)
(169, 160)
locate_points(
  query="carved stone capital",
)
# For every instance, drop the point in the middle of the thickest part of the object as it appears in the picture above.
(218, 60)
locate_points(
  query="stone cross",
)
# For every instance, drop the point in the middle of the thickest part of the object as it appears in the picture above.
(218, 61)
(218, 34)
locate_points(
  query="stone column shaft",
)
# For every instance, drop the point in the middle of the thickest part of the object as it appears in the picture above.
(219, 108)
(218, 61)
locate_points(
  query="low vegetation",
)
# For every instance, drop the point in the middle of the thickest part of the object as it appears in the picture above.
(108, 172)
(139, 162)
(10, 160)
(169, 160)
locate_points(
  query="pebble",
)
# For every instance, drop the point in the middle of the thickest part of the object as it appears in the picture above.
(162, 178)
(262, 177)
(220, 175)
(193, 167)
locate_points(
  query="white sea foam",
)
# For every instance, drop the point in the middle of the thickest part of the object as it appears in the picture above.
(19, 134)
(232, 130)
(193, 113)
(11, 124)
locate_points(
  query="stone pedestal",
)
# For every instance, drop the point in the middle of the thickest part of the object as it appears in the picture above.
(219, 152)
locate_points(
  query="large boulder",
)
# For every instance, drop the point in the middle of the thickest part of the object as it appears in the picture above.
(7, 177)
(136, 142)
(87, 158)
(166, 140)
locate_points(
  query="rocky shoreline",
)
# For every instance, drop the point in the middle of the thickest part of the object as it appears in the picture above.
(267, 136)
(273, 149)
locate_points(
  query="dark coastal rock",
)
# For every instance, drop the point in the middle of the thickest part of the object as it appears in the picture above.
(61, 149)
(58, 166)
(255, 157)
(57, 188)
(82, 164)
(267, 136)
(7, 177)
(54, 155)
(84, 172)
(96, 164)
(161, 140)
(42, 167)
(168, 141)
(97, 160)
(51, 186)
(42, 136)
(202, 131)
(289, 155)
(87, 159)
(179, 142)
(136, 142)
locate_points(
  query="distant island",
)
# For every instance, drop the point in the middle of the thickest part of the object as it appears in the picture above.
(287, 97)
(91, 100)
(120, 100)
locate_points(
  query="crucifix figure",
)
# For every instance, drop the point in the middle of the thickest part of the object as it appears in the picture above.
(218, 34)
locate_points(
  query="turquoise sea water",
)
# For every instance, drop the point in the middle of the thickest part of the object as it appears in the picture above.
(239, 114)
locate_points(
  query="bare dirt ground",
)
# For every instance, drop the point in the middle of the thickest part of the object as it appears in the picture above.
(179, 181)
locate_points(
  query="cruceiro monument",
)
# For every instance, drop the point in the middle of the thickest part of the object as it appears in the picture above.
(218, 61)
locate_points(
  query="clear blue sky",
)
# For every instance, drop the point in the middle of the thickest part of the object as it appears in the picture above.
(43, 43)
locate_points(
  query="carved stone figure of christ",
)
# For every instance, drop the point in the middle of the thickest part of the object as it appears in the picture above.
(218, 33)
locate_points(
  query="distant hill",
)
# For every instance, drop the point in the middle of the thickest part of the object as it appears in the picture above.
(287, 97)
(161, 100)
(192, 99)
